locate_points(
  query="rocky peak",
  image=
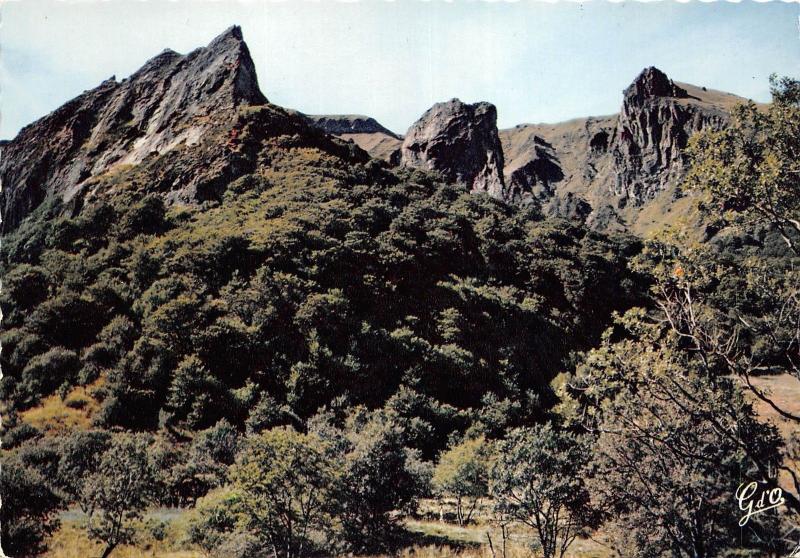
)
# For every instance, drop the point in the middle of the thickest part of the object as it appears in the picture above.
(171, 101)
(654, 125)
(652, 82)
(228, 62)
(461, 142)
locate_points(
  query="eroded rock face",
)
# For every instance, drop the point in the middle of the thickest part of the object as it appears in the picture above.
(619, 172)
(461, 142)
(173, 100)
(536, 178)
(653, 129)
(554, 165)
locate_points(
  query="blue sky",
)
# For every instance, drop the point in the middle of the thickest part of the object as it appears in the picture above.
(538, 62)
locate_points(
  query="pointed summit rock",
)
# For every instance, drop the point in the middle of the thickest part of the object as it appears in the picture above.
(461, 142)
(654, 126)
(652, 82)
(171, 101)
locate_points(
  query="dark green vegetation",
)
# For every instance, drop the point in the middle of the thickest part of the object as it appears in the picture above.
(318, 281)
(292, 357)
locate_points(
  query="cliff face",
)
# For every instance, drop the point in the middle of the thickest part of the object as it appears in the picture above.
(620, 172)
(461, 142)
(655, 123)
(173, 100)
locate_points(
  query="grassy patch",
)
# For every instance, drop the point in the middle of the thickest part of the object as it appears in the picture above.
(446, 539)
(161, 534)
(55, 415)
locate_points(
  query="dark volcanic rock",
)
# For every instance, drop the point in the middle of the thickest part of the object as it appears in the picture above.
(537, 177)
(461, 142)
(653, 129)
(339, 124)
(172, 101)
(652, 82)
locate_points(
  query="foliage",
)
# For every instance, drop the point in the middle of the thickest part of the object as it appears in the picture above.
(29, 508)
(117, 492)
(537, 480)
(214, 526)
(750, 167)
(378, 476)
(80, 455)
(462, 472)
(672, 445)
(283, 483)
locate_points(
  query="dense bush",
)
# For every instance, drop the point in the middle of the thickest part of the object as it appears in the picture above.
(463, 473)
(315, 282)
(28, 514)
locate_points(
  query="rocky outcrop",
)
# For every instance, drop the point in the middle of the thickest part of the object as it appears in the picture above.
(338, 124)
(460, 141)
(367, 133)
(621, 172)
(172, 101)
(537, 176)
(656, 121)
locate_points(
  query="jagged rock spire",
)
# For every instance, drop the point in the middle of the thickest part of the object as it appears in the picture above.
(171, 100)
(653, 129)
(652, 82)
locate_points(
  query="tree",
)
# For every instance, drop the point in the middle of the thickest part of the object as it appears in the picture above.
(283, 481)
(118, 491)
(737, 317)
(28, 511)
(214, 525)
(80, 454)
(195, 396)
(379, 476)
(462, 472)
(750, 172)
(670, 472)
(536, 480)
(672, 445)
(751, 167)
(46, 372)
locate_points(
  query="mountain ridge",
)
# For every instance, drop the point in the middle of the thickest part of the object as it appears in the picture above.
(604, 171)
(611, 171)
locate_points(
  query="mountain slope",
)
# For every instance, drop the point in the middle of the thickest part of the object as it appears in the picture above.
(269, 270)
